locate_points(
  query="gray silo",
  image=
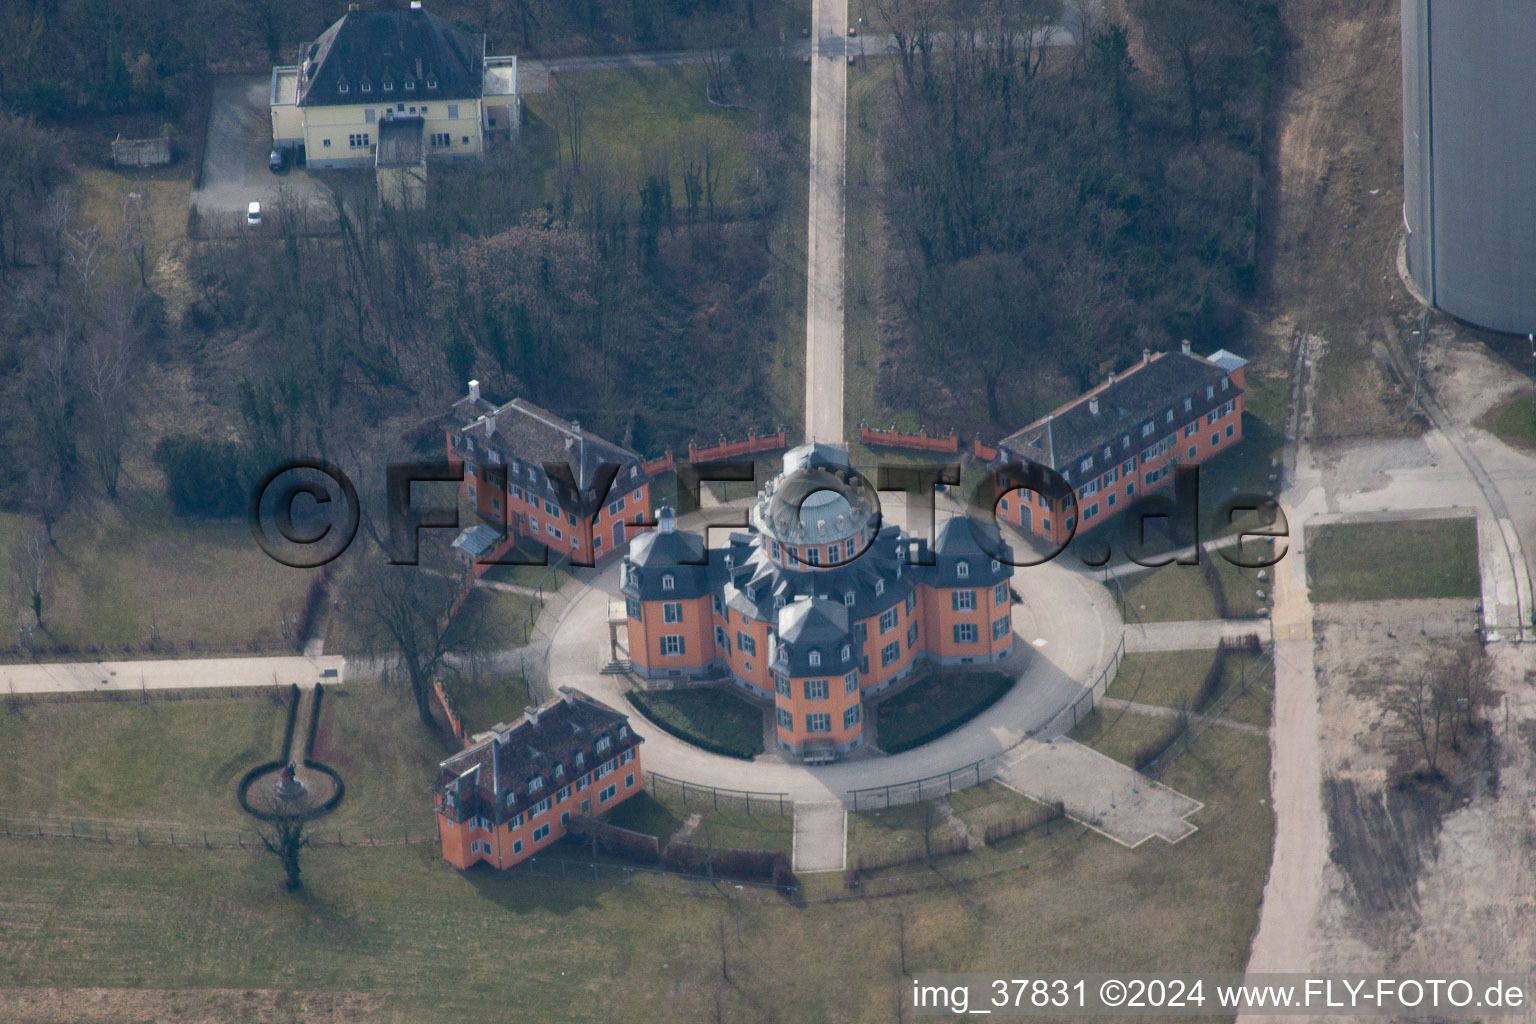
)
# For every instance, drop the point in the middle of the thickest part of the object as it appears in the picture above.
(1469, 157)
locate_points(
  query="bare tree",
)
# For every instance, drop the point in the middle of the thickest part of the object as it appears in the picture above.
(1420, 708)
(82, 252)
(134, 234)
(30, 555)
(285, 837)
(573, 117)
(411, 619)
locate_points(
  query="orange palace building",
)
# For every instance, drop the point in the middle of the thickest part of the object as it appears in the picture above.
(1124, 438)
(515, 788)
(504, 449)
(818, 605)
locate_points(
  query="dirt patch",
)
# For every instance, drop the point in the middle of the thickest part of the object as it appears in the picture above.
(1421, 879)
(185, 1006)
(1379, 838)
(1333, 213)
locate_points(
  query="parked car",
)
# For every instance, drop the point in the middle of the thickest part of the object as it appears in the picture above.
(277, 160)
(253, 214)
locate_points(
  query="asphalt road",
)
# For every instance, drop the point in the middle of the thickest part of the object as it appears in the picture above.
(235, 170)
(824, 238)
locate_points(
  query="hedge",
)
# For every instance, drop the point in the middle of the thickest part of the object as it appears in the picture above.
(637, 698)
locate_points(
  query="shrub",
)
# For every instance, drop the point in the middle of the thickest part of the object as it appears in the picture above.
(727, 861)
(1000, 830)
(201, 476)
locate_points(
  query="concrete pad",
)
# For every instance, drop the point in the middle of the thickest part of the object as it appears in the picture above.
(183, 673)
(821, 836)
(1098, 791)
(1197, 635)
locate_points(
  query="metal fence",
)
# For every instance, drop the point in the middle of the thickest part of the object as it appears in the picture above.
(1079, 708)
(629, 874)
(715, 797)
(143, 695)
(926, 788)
(220, 837)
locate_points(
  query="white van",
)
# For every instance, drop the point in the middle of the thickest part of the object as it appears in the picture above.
(253, 214)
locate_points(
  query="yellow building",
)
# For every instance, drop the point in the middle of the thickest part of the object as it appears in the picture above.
(375, 66)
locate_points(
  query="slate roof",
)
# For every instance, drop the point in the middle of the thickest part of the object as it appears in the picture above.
(813, 624)
(497, 770)
(525, 435)
(655, 553)
(1145, 393)
(423, 56)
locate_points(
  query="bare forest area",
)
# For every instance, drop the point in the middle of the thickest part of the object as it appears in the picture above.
(1057, 209)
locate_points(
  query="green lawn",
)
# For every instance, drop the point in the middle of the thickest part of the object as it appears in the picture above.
(165, 761)
(1393, 560)
(432, 945)
(936, 705)
(635, 121)
(883, 836)
(1119, 734)
(711, 717)
(1178, 593)
(121, 573)
(991, 803)
(662, 817)
(1171, 679)
(1513, 421)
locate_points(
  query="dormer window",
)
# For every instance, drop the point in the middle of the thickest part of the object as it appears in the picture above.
(602, 745)
(581, 759)
(389, 85)
(431, 82)
(559, 771)
(668, 582)
(342, 87)
(623, 732)
(535, 783)
(847, 653)
(963, 569)
(367, 87)
(815, 658)
(848, 599)
(778, 602)
(410, 85)
(879, 587)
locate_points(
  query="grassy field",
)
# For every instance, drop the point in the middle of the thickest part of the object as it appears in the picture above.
(662, 817)
(179, 761)
(937, 705)
(1513, 421)
(1171, 679)
(102, 193)
(1178, 593)
(121, 573)
(990, 803)
(712, 717)
(432, 944)
(1393, 560)
(170, 761)
(633, 119)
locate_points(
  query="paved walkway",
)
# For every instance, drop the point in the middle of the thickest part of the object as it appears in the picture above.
(182, 673)
(1158, 711)
(821, 836)
(824, 238)
(1198, 635)
(1065, 631)
(1098, 791)
(1294, 888)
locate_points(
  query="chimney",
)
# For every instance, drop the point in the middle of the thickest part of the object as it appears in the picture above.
(665, 521)
(568, 695)
(418, 59)
(1146, 356)
(531, 714)
(490, 425)
(351, 7)
(1184, 346)
(1110, 379)
(474, 385)
(416, 6)
(1093, 406)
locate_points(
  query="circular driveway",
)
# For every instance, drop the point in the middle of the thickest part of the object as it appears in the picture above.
(1065, 631)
